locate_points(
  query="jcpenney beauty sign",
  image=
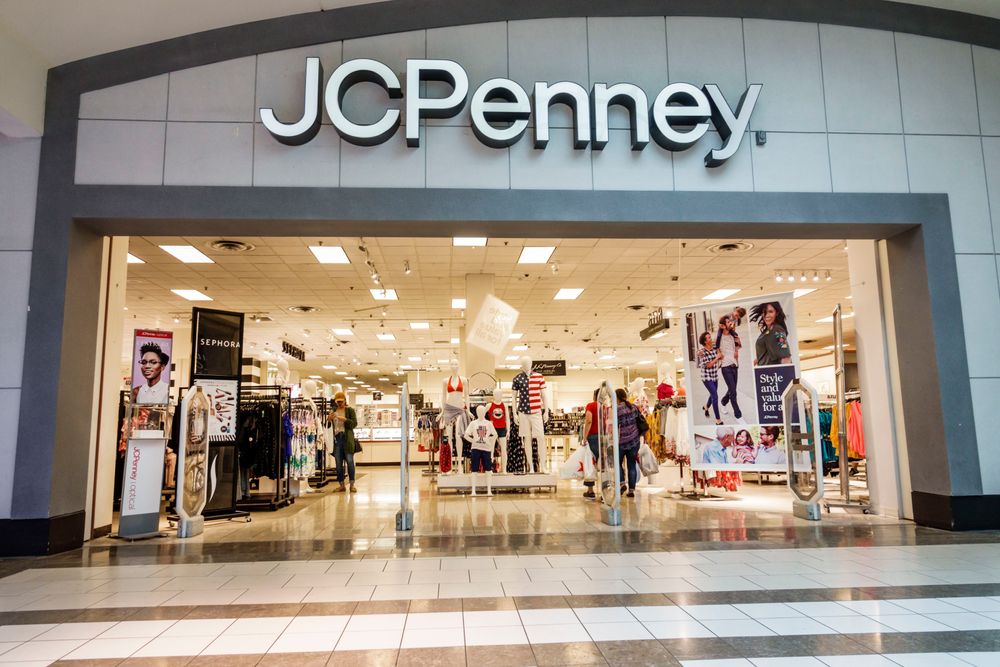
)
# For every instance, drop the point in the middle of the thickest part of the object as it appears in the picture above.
(500, 109)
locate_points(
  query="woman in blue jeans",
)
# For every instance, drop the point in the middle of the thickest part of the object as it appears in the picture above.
(708, 365)
(628, 439)
(590, 432)
(344, 420)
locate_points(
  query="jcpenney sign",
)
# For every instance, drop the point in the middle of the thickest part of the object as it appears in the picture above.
(500, 109)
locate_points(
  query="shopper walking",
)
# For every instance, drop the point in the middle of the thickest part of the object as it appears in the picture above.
(590, 433)
(708, 364)
(628, 439)
(727, 342)
(344, 420)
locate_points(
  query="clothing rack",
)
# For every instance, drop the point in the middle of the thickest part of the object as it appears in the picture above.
(320, 478)
(432, 414)
(281, 497)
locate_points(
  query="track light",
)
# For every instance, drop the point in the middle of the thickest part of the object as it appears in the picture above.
(778, 277)
(406, 267)
(828, 276)
(815, 276)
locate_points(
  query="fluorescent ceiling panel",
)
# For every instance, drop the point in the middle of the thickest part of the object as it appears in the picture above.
(132, 259)
(385, 336)
(342, 332)
(720, 294)
(458, 304)
(535, 254)
(187, 254)
(568, 293)
(468, 241)
(329, 254)
(384, 294)
(191, 294)
(802, 291)
(419, 325)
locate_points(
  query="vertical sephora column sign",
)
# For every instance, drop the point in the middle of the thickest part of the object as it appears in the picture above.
(217, 346)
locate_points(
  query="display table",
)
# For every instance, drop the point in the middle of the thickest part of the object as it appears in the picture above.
(463, 481)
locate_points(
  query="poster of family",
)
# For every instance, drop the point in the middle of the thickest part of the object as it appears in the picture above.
(739, 356)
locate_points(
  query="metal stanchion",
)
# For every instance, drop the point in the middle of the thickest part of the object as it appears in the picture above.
(802, 440)
(609, 470)
(404, 517)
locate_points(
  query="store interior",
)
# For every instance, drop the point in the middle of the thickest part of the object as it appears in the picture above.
(366, 315)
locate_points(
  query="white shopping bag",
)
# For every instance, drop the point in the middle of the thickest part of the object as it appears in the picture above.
(647, 461)
(575, 466)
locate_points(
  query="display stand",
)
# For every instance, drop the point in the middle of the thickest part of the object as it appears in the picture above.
(147, 433)
(281, 496)
(322, 477)
(805, 458)
(501, 481)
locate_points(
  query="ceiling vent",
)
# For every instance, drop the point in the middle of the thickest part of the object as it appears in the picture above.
(636, 306)
(303, 309)
(731, 248)
(231, 246)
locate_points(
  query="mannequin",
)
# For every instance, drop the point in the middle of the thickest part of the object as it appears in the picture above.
(637, 390)
(483, 436)
(530, 405)
(283, 374)
(665, 389)
(454, 416)
(497, 413)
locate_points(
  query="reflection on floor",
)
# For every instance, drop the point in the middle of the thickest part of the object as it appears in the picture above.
(517, 579)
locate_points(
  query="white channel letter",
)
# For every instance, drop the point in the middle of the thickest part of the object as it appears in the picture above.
(514, 109)
(303, 130)
(731, 127)
(418, 107)
(627, 95)
(345, 76)
(564, 92)
(692, 111)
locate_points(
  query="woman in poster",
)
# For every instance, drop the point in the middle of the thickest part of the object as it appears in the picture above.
(727, 341)
(708, 365)
(772, 343)
(156, 390)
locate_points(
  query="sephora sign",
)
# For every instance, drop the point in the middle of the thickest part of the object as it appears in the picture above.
(678, 117)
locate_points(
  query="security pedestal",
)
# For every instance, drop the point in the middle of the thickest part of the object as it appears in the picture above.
(191, 527)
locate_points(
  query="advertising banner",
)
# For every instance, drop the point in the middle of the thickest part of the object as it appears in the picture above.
(493, 325)
(222, 399)
(151, 352)
(549, 367)
(217, 343)
(739, 356)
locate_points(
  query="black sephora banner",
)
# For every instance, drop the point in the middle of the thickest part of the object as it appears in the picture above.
(216, 343)
(552, 368)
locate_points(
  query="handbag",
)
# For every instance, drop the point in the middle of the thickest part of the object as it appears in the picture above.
(357, 447)
(641, 423)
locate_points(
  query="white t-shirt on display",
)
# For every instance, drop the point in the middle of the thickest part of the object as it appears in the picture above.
(482, 435)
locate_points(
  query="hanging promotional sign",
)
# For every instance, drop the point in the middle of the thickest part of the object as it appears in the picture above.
(493, 325)
(216, 343)
(739, 357)
(501, 109)
(151, 352)
(549, 367)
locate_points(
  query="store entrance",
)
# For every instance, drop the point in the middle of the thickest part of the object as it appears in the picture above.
(359, 316)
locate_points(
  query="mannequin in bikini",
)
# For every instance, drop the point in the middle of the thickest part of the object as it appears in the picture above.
(454, 415)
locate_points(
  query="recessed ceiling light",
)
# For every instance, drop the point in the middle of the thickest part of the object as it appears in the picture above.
(329, 254)
(442, 361)
(132, 259)
(720, 294)
(350, 377)
(385, 336)
(606, 357)
(659, 334)
(316, 377)
(678, 358)
(372, 370)
(516, 336)
(512, 357)
(357, 382)
(384, 294)
(568, 293)
(383, 379)
(458, 304)
(405, 367)
(575, 368)
(829, 318)
(341, 373)
(469, 241)
(454, 341)
(191, 294)
(535, 254)
(644, 362)
(342, 332)
(187, 254)
(414, 359)
(329, 368)
(802, 291)
(419, 325)
(519, 348)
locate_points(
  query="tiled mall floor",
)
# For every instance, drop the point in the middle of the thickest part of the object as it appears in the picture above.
(520, 579)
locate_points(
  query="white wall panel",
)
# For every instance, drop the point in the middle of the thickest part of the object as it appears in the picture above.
(456, 159)
(221, 92)
(119, 152)
(366, 102)
(18, 192)
(208, 154)
(987, 64)
(628, 50)
(936, 86)
(991, 156)
(689, 60)
(860, 80)
(690, 172)
(868, 163)
(480, 49)
(315, 164)
(10, 407)
(986, 407)
(558, 167)
(15, 271)
(784, 56)
(388, 165)
(281, 79)
(618, 167)
(145, 99)
(954, 165)
(791, 162)
(977, 282)
(549, 50)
